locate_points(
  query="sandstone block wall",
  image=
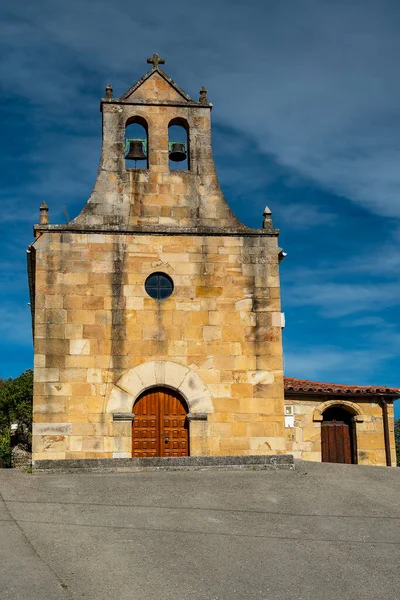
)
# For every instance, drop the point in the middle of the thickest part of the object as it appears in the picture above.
(94, 322)
(304, 440)
(157, 197)
(100, 339)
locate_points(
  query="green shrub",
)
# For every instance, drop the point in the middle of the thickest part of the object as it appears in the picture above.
(15, 407)
(5, 447)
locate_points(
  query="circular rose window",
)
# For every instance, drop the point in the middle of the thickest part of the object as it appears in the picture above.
(159, 286)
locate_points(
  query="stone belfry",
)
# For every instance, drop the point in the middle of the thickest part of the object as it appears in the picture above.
(156, 312)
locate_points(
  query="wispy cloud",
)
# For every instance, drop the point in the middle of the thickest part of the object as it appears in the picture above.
(319, 89)
(15, 324)
(305, 92)
(332, 363)
(375, 346)
(340, 299)
(363, 282)
(381, 260)
(18, 213)
(305, 216)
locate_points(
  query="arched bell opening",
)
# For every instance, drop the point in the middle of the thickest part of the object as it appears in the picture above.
(338, 436)
(160, 426)
(136, 144)
(178, 145)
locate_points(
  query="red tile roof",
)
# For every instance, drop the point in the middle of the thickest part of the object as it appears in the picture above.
(303, 386)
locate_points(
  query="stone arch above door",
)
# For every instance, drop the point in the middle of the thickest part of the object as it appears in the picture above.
(160, 373)
(353, 408)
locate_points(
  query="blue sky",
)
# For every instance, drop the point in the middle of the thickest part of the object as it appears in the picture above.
(306, 119)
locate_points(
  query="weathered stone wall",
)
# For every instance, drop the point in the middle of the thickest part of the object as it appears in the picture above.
(94, 322)
(217, 338)
(21, 458)
(304, 440)
(157, 197)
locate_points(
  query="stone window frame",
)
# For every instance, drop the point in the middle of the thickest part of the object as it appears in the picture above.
(354, 409)
(160, 373)
(168, 277)
(181, 122)
(151, 374)
(132, 120)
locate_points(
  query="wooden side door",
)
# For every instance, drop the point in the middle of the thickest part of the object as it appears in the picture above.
(335, 442)
(160, 427)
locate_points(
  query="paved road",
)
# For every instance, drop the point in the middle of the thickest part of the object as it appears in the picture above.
(321, 532)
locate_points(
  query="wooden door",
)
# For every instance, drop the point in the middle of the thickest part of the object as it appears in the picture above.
(336, 442)
(160, 426)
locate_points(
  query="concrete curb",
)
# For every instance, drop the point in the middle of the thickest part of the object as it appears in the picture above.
(185, 463)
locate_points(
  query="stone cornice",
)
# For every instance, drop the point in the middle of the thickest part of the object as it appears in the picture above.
(141, 102)
(157, 230)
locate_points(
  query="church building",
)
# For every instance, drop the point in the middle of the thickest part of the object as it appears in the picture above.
(156, 313)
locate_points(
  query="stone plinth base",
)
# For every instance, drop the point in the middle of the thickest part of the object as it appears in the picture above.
(99, 465)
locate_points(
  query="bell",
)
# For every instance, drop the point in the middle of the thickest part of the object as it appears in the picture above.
(135, 151)
(178, 152)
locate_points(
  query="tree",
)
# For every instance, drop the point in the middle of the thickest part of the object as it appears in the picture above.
(16, 397)
(397, 439)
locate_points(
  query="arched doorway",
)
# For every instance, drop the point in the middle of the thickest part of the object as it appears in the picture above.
(338, 436)
(160, 426)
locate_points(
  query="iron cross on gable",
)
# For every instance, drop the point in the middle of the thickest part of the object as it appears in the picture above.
(156, 60)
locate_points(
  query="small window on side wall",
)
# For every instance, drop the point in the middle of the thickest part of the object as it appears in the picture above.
(136, 144)
(178, 145)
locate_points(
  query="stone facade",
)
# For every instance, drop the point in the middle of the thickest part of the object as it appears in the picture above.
(100, 340)
(362, 403)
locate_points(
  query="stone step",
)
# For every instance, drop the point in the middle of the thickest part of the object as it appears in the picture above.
(103, 465)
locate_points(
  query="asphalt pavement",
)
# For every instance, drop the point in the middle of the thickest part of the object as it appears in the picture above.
(321, 532)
